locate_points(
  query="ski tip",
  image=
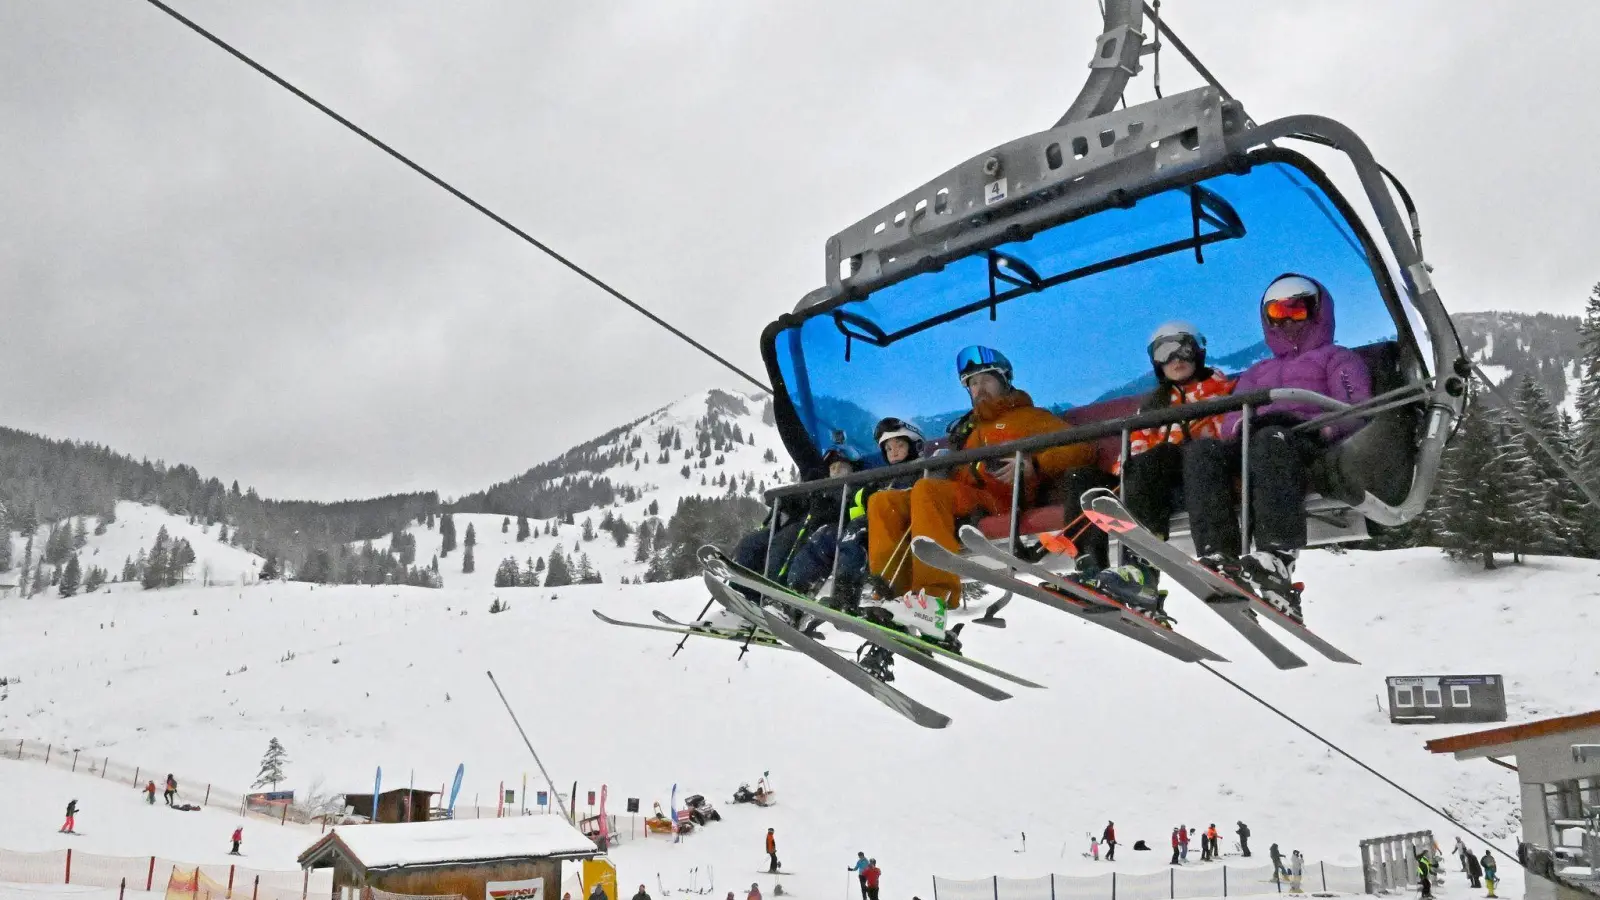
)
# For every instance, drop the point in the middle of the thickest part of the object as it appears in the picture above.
(992, 622)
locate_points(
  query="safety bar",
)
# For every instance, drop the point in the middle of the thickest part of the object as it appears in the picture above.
(1074, 435)
(1400, 396)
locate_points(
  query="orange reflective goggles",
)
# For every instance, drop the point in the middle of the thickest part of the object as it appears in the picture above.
(1290, 309)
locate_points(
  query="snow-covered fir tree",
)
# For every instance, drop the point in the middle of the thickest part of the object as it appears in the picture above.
(71, 577)
(468, 565)
(522, 527)
(1474, 510)
(272, 764)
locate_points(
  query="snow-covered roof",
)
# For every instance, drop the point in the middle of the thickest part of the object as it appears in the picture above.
(452, 841)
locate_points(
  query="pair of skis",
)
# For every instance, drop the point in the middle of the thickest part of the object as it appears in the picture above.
(723, 577)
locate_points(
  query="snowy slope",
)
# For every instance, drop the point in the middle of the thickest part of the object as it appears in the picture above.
(663, 484)
(394, 677)
(134, 530)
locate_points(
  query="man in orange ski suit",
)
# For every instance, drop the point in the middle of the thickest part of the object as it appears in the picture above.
(1000, 413)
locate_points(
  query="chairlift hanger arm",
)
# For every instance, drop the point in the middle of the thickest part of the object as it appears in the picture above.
(1116, 59)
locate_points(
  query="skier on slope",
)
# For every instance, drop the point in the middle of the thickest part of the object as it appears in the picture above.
(1109, 836)
(171, 792)
(238, 838)
(69, 826)
(1000, 413)
(150, 792)
(1474, 868)
(1490, 872)
(1297, 319)
(860, 868)
(772, 851)
(1244, 839)
(754, 893)
(872, 874)
(1277, 861)
(1153, 477)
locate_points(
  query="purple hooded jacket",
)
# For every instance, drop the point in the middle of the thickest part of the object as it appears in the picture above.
(1315, 363)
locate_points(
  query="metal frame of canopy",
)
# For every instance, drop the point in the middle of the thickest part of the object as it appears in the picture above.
(1097, 158)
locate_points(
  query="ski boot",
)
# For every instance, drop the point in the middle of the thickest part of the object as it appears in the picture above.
(1270, 575)
(878, 662)
(1134, 586)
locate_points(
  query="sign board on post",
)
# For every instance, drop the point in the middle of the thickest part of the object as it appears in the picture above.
(527, 889)
(633, 804)
(544, 798)
(511, 796)
(591, 798)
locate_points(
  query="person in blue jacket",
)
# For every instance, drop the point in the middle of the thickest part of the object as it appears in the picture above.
(860, 868)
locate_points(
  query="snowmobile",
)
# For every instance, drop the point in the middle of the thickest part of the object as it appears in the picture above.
(760, 796)
(700, 809)
(1090, 232)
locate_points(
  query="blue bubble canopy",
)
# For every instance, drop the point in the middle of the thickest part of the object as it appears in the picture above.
(1073, 305)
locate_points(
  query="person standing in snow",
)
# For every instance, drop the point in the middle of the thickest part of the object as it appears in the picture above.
(171, 792)
(238, 837)
(1244, 839)
(872, 875)
(1297, 871)
(642, 894)
(72, 816)
(1489, 871)
(1474, 869)
(860, 868)
(1183, 842)
(1094, 848)
(1208, 847)
(1277, 862)
(1425, 873)
(755, 892)
(599, 893)
(772, 851)
(1109, 837)
(150, 792)
(1460, 853)
(1175, 845)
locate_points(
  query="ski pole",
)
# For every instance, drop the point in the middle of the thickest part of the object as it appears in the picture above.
(699, 618)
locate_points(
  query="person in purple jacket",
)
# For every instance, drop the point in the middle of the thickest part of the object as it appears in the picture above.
(1297, 318)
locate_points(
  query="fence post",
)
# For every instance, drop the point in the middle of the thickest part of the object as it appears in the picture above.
(935, 882)
(69, 865)
(75, 760)
(1052, 886)
(996, 880)
(207, 800)
(104, 766)
(19, 748)
(285, 817)
(1224, 879)
(1324, 867)
(136, 771)
(150, 877)
(47, 748)
(305, 884)
(230, 881)
(257, 889)
(1172, 884)
(1113, 886)
(122, 889)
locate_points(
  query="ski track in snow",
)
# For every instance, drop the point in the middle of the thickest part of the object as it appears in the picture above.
(394, 676)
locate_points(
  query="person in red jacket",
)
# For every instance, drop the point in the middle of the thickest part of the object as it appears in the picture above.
(150, 792)
(871, 875)
(1175, 846)
(238, 837)
(1109, 838)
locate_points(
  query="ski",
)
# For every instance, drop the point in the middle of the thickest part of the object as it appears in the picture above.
(844, 668)
(761, 640)
(665, 619)
(897, 642)
(1222, 594)
(973, 540)
(934, 554)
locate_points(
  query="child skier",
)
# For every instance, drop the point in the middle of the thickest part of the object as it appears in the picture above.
(772, 851)
(150, 792)
(238, 837)
(1489, 870)
(72, 816)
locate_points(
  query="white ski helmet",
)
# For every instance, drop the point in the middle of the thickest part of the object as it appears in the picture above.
(891, 428)
(1175, 339)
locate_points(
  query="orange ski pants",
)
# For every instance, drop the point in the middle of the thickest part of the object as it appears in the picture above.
(929, 509)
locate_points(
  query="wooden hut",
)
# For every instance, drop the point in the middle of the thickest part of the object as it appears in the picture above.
(398, 805)
(450, 857)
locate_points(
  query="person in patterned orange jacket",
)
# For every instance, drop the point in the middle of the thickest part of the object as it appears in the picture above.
(1155, 455)
(1000, 413)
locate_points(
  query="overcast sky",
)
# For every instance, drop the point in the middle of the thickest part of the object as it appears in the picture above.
(198, 267)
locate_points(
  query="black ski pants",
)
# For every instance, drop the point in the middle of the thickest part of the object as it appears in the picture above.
(1280, 465)
(1111, 851)
(1067, 491)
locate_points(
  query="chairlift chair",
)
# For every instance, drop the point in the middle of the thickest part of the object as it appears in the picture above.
(1065, 247)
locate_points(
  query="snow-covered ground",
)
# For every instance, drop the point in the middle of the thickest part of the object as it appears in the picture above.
(195, 680)
(395, 677)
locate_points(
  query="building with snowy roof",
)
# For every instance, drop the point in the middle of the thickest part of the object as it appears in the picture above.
(1558, 770)
(466, 857)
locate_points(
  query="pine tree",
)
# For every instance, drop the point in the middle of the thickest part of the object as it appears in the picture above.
(641, 551)
(129, 573)
(447, 534)
(27, 562)
(472, 536)
(558, 574)
(507, 574)
(505, 525)
(1474, 514)
(467, 564)
(522, 528)
(155, 566)
(222, 533)
(269, 569)
(1556, 498)
(272, 764)
(93, 581)
(5, 540)
(40, 581)
(588, 529)
(179, 559)
(71, 578)
(80, 534)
